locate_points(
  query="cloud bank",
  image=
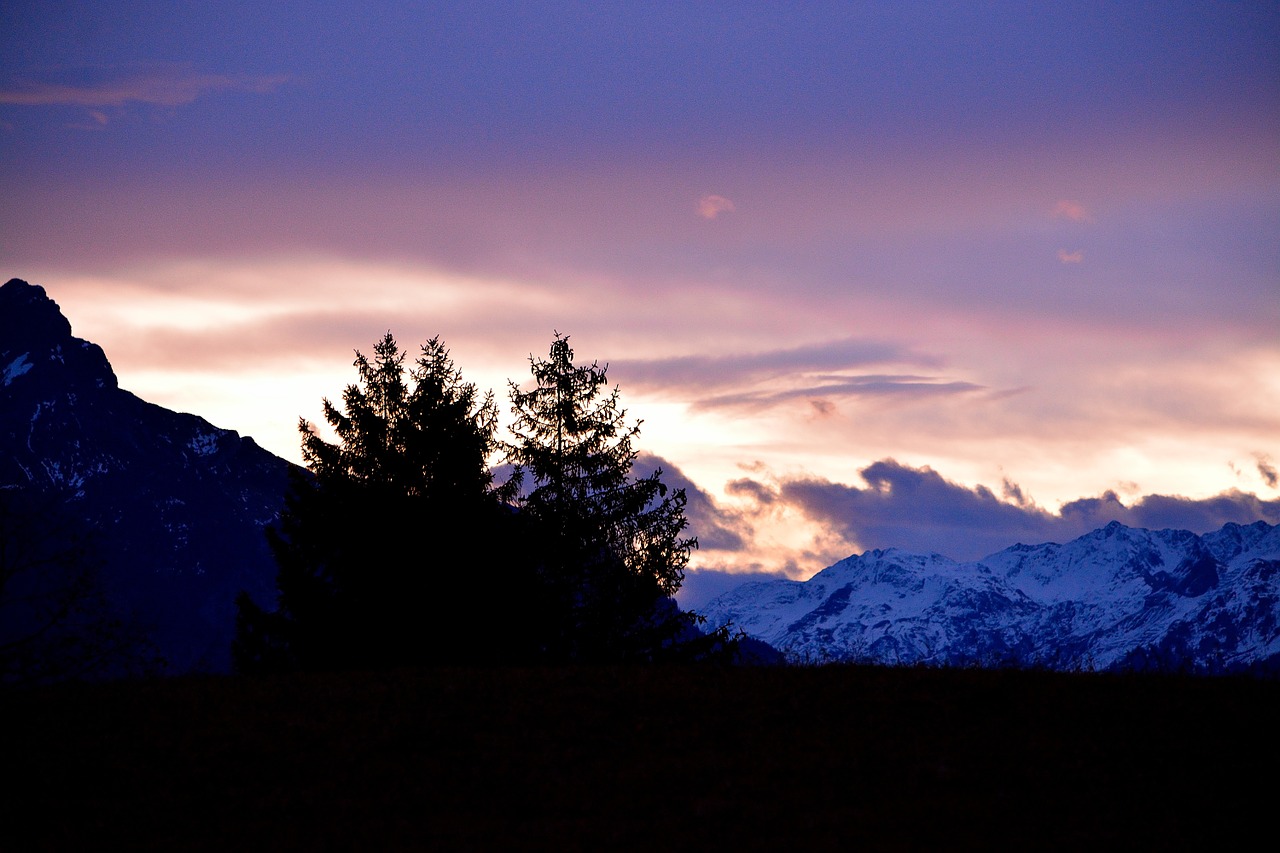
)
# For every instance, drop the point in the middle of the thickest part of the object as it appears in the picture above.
(716, 528)
(918, 510)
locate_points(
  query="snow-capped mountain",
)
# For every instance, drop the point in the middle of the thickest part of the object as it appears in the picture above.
(1117, 598)
(166, 509)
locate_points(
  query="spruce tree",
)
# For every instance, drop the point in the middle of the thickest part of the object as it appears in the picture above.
(375, 540)
(613, 548)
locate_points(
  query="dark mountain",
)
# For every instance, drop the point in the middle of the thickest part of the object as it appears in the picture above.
(121, 517)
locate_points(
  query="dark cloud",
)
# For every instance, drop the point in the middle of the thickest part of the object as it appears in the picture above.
(717, 529)
(918, 510)
(747, 487)
(1266, 470)
(1013, 493)
(823, 408)
(702, 585)
(1169, 511)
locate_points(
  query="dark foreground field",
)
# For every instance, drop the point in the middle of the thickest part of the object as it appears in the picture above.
(647, 759)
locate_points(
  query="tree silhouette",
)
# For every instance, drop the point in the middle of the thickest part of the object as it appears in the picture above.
(375, 543)
(612, 546)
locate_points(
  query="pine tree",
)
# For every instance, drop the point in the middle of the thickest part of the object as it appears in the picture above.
(368, 572)
(613, 549)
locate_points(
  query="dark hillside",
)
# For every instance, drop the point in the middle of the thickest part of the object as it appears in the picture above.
(167, 508)
(646, 759)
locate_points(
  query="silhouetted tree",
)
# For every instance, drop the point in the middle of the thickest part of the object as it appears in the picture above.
(612, 546)
(380, 544)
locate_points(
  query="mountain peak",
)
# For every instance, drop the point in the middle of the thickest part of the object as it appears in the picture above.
(168, 508)
(26, 312)
(35, 338)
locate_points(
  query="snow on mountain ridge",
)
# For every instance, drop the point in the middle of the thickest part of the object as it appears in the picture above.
(1116, 597)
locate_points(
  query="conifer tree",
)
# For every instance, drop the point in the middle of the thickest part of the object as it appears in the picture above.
(613, 549)
(374, 541)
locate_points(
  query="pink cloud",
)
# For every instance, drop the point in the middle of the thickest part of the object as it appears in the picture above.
(1073, 210)
(1070, 257)
(711, 206)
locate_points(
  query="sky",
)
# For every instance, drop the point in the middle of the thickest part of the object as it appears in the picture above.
(941, 276)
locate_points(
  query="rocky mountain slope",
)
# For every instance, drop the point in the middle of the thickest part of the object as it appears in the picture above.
(154, 517)
(1117, 598)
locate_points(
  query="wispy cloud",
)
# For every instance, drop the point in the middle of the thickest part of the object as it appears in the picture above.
(842, 386)
(711, 206)
(1074, 257)
(724, 371)
(817, 373)
(167, 86)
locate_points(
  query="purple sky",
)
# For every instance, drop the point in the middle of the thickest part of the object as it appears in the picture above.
(937, 275)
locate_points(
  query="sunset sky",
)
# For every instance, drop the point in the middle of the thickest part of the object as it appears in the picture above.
(944, 276)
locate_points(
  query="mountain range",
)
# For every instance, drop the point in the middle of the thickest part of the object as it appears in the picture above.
(127, 530)
(1118, 598)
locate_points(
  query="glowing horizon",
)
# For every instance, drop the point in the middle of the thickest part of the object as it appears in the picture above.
(1013, 259)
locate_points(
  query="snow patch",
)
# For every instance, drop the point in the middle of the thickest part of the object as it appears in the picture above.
(16, 368)
(31, 427)
(204, 444)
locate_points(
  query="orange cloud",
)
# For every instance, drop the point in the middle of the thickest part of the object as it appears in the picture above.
(711, 206)
(166, 87)
(1070, 257)
(1073, 210)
